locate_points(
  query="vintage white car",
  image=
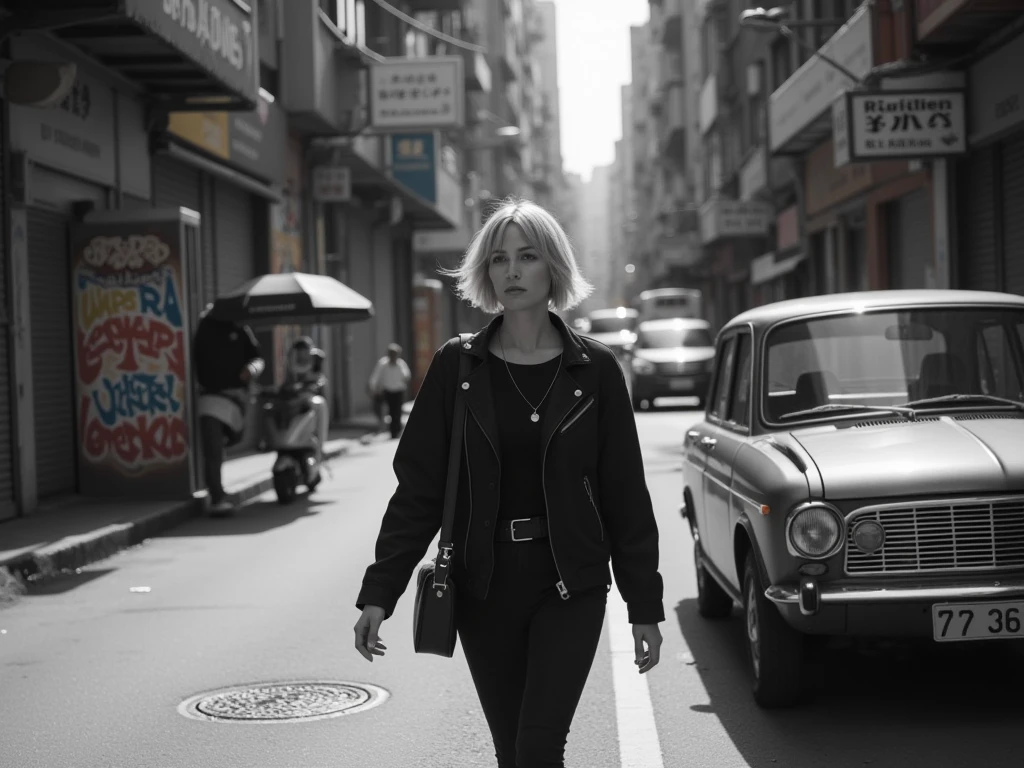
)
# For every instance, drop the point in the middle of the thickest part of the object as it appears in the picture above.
(860, 471)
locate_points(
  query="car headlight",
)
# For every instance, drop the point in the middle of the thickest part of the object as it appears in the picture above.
(642, 366)
(815, 531)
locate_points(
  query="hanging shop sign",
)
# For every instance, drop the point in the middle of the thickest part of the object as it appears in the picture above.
(721, 218)
(332, 184)
(131, 358)
(417, 93)
(893, 125)
(414, 163)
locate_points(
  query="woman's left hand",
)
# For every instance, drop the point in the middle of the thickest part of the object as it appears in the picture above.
(647, 659)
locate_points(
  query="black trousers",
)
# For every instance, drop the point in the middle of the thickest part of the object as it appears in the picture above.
(394, 402)
(211, 432)
(529, 653)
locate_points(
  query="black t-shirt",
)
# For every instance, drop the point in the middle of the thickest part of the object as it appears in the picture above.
(522, 491)
(221, 351)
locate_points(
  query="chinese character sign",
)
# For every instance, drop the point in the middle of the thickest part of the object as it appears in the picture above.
(906, 124)
(417, 93)
(131, 355)
(414, 163)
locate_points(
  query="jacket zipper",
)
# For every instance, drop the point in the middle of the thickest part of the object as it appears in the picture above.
(488, 439)
(563, 592)
(590, 494)
(469, 478)
(579, 413)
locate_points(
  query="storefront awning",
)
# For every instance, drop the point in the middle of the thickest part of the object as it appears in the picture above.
(765, 268)
(184, 55)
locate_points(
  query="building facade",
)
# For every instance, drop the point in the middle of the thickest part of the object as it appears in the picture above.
(136, 141)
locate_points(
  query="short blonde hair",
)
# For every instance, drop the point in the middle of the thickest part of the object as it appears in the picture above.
(544, 233)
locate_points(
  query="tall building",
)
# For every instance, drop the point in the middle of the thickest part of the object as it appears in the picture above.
(595, 247)
(643, 151)
(549, 180)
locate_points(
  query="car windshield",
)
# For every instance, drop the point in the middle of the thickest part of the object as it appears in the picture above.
(668, 338)
(611, 324)
(892, 358)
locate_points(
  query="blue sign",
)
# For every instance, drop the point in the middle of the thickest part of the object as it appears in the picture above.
(414, 163)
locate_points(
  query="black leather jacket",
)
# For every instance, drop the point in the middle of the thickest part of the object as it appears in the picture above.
(598, 504)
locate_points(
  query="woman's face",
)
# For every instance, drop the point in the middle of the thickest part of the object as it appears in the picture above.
(519, 274)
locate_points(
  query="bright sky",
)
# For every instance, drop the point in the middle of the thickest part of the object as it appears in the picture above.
(594, 63)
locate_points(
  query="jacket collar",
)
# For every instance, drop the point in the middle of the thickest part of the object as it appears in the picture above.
(574, 351)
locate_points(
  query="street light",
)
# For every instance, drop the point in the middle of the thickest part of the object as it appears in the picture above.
(774, 19)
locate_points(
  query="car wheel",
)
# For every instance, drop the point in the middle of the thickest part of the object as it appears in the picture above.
(774, 649)
(713, 602)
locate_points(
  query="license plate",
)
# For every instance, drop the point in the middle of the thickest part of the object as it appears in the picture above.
(681, 384)
(952, 622)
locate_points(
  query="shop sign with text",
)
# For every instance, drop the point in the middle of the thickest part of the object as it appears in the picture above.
(253, 142)
(417, 93)
(413, 163)
(131, 359)
(722, 218)
(219, 35)
(899, 124)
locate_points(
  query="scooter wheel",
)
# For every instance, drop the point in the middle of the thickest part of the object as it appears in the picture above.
(285, 489)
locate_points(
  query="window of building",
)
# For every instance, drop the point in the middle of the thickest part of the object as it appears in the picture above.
(781, 62)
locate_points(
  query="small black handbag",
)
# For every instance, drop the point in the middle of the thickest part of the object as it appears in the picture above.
(433, 618)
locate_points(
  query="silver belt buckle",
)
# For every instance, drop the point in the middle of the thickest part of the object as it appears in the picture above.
(512, 528)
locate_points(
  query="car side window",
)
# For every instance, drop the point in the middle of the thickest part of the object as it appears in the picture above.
(739, 407)
(720, 397)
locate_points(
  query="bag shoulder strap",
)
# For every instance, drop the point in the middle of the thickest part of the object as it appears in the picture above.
(442, 564)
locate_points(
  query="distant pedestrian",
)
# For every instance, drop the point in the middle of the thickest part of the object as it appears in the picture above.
(552, 488)
(389, 383)
(227, 361)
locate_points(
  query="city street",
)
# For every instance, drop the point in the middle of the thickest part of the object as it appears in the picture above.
(93, 668)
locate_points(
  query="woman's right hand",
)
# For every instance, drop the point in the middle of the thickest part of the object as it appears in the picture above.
(368, 643)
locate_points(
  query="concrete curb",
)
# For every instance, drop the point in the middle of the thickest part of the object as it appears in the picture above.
(78, 551)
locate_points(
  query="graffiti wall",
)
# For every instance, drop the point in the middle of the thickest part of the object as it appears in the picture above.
(131, 359)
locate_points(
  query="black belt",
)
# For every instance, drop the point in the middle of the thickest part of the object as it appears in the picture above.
(522, 529)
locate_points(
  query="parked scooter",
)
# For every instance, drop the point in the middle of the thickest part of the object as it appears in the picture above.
(296, 421)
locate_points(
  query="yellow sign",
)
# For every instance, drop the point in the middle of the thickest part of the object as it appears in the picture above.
(206, 130)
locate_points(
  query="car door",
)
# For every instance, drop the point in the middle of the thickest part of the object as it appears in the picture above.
(725, 438)
(715, 484)
(697, 438)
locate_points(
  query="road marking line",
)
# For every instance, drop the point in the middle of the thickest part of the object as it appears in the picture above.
(639, 746)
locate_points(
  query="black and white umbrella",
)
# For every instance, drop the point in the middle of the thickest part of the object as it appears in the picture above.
(292, 297)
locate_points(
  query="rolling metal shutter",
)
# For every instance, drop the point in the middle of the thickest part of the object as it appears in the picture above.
(7, 503)
(177, 184)
(233, 235)
(979, 259)
(1013, 215)
(52, 353)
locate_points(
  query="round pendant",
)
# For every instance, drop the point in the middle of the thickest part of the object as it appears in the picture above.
(535, 418)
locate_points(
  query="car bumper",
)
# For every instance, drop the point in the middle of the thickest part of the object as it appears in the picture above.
(817, 608)
(649, 387)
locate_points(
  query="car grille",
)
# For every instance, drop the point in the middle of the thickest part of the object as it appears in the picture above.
(936, 537)
(674, 369)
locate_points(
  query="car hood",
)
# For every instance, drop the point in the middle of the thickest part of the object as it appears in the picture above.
(676, 354)
(980, 453)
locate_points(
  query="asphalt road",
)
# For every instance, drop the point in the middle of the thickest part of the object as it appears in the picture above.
(92, 673)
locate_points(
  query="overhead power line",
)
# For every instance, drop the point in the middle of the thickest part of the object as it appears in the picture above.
(429, 30)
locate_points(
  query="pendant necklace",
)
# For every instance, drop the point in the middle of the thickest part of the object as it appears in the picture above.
(534, 417)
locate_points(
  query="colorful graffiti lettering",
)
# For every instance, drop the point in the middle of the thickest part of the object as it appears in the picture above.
(135, 443)
(131, 355)
(135, 394)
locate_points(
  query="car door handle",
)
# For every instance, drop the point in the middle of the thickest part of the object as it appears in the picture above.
(693, 434)
(708, 442)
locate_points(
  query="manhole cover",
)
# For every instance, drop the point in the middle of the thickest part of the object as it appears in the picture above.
(283, 702)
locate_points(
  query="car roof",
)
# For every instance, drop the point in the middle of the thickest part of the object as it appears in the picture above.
(667, 323)
(612, 312)
(769, 314)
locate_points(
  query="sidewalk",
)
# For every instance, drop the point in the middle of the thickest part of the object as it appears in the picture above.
(73, 531)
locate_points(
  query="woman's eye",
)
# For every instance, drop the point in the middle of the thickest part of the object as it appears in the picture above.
(529, 256)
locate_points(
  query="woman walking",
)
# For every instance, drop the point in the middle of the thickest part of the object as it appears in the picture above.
(551, 489)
